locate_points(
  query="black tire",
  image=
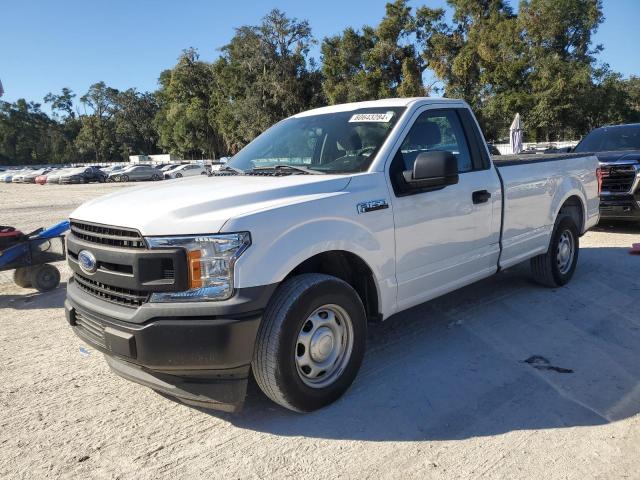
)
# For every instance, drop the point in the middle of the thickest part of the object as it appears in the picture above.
(124, 178)
(203, 173)
(22, 277)
(101, 179)
(45, 277)
(275, 363)
(178, 175)
(547, 268)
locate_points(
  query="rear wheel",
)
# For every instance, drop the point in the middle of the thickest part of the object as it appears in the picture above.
(155, 177)
(555, 268)
(310, 343)
(21, 277)
(45, 277)
(178, 175)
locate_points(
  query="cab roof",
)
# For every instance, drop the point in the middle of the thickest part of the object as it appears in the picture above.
(386, 102)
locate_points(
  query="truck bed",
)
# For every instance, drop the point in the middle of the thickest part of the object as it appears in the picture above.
(535, 186)
(508, 160)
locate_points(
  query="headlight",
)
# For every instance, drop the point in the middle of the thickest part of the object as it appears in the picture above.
(210, 262)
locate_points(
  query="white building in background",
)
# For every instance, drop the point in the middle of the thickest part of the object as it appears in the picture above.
(154, 159)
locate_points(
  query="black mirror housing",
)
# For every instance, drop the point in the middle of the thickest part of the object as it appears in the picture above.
(435, 169)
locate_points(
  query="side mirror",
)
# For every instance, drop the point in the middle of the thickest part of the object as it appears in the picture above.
(432, 170)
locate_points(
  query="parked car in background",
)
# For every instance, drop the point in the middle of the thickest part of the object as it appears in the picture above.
(188, 170)
(54, 175)
(7, 177)
(29, 176)
(42, 179)
(618, 150)
(82, 175)
(136, 173)
(17, 177)
(114, 168)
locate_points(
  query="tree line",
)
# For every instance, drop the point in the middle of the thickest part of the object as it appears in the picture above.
(539, 61)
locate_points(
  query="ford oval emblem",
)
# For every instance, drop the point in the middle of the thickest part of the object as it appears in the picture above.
(87, 261)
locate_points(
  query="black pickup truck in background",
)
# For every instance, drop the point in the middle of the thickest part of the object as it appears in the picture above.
(618, 150)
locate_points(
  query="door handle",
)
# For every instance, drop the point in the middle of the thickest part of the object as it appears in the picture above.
(481, 196)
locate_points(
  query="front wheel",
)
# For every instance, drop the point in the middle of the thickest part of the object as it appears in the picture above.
(45, 277)
(555, 268)
(178, 175)
(310, 343)
(124, 178)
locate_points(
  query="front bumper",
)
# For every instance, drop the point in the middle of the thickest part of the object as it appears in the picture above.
(201, 360)
(620, 207)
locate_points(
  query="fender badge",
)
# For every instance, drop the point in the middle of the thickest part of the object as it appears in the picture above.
(372, 206)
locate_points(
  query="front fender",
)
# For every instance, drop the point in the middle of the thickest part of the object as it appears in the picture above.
(284, 237)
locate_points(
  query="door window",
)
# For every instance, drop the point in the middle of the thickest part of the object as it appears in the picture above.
(436, 130)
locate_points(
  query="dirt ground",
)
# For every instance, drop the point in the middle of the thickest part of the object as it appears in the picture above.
(444, 392)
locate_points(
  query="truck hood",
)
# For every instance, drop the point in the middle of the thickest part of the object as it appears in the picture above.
(624, 156)
(202, 204)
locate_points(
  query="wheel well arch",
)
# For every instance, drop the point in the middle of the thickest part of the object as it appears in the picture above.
(350, 268)
(574, 207)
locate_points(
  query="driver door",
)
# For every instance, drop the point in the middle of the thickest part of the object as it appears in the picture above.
(446, 237)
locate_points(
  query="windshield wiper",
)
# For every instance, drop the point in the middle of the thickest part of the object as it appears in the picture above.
(284, 166)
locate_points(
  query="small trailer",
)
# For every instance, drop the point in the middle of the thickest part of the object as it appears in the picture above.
(31, 255)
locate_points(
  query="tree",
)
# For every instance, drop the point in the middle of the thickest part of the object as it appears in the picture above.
(133, 118)
(184, 98)
(558, 34)
(97, 132)
(23, 133)
(379, 62)
(65, 127)
(263, 75)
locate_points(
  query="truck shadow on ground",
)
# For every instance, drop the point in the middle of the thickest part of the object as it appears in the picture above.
(32, 299)
(497, 356)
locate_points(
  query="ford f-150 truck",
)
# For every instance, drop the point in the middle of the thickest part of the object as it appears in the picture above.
(330, 219)
(618, 149)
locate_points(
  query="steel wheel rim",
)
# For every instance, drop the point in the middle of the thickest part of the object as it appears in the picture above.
(324, 346)
(565, 252)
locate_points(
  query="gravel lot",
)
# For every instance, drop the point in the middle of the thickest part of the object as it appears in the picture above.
(444, 391)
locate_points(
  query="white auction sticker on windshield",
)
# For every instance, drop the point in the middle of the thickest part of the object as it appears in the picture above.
(372, 117)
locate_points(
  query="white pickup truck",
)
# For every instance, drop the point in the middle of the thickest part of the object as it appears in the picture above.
(330, 219)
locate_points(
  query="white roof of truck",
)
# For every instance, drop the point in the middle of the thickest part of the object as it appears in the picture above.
(386, 102)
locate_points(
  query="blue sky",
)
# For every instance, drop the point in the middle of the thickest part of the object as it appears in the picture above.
(47, 45)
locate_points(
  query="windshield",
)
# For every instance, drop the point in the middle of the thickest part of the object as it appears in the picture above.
(341, 142)
(609, 139)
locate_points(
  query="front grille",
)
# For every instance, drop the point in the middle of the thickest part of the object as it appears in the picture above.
(618, 179)
(110, 293)
(91, 328)
(110, 236)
